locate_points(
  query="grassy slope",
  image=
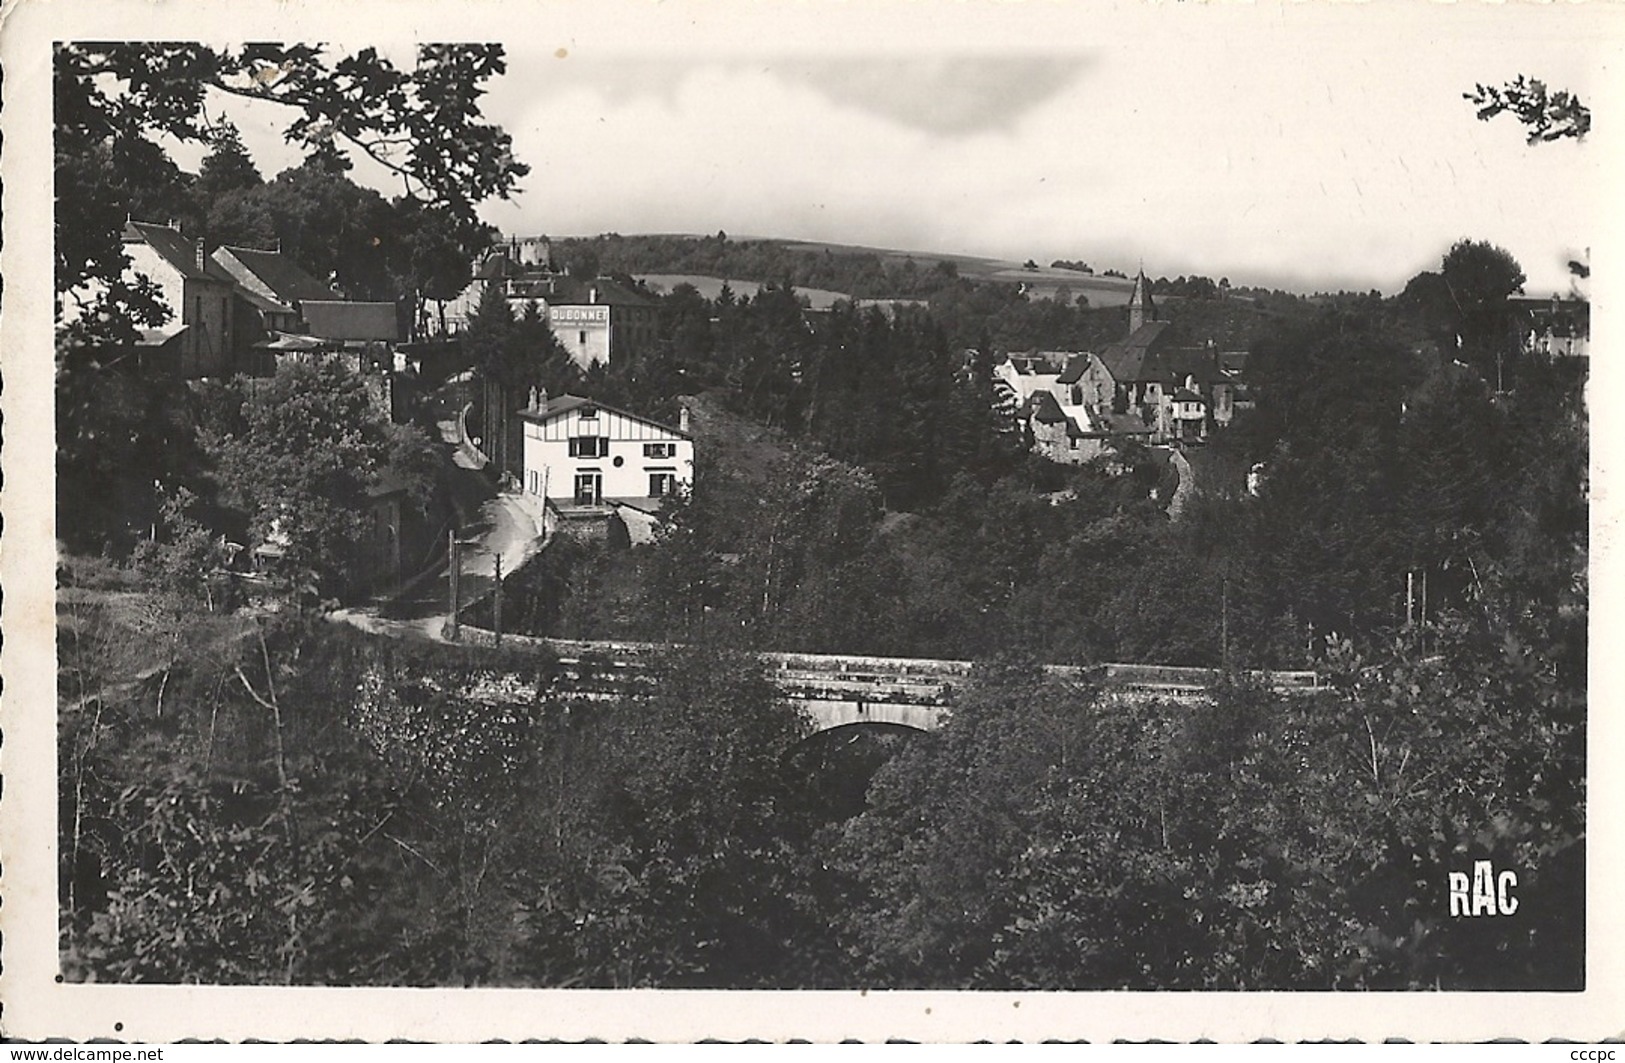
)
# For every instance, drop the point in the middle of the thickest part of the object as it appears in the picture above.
(710, 287)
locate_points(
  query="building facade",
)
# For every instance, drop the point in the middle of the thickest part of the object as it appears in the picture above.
(594, 320)
(199, 339)
(588, 461)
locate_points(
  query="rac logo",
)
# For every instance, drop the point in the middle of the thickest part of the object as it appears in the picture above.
(1486, 893)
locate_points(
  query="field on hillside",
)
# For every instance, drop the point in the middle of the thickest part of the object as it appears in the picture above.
(1042, 282)
(710, 287)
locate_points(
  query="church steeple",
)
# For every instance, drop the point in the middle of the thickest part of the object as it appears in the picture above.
(1140, 307)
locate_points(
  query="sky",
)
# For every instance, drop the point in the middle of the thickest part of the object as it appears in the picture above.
(1309, 146)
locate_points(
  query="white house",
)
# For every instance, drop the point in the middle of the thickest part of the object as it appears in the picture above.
(591, 462)
(595, 320)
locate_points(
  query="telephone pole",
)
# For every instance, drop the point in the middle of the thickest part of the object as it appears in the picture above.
(454, 563)
(496, 599)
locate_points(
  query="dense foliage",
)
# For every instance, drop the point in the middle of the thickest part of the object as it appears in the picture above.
(115, 101)
(285, 803)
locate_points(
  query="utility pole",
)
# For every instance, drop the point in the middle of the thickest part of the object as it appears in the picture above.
(1224, 622)
(496, 600)
(1410, 598)
(454, 562)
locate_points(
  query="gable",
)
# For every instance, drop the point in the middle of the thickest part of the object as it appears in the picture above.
(273, 274)
(572, 415)
(177, 252)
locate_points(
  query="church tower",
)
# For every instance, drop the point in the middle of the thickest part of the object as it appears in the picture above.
(1140, 307)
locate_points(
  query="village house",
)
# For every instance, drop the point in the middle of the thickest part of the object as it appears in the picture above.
(597, 467)
(1147, 387)
(1557, 327)
(201, 337)
(301, 318)
(599, 319)
(594, 320)
(275, 284)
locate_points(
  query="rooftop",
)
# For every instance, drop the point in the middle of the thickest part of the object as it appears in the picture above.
(1045, 409)
(568, 291)
(566, 403)
(280, 274)
(335, 320)
(177, 250)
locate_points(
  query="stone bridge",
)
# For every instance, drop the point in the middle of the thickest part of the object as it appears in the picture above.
(839, 690)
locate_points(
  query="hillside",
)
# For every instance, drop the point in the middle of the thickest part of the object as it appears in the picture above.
(1042, 283)
(711, 287)
(832, 270)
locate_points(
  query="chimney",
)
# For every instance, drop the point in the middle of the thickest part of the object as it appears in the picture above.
(201, 257)
(683, 419)
(592, 294)
(541, 401)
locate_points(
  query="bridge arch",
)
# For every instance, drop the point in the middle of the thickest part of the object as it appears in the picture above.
(828, 714)
(834, 768)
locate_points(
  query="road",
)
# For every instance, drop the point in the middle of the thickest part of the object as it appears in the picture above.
(509, 525)
(1186, 489)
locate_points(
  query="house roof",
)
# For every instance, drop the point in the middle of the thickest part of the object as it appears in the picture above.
(286, 280)
(335, 320)
(287, 341)
(568, 291)
(496, 266)
(1125, 360)
(645, 504)
(174, 248)
(1149, 353)
(556, 289)
(1186, 395)
(260, 302)
(161, 335)
(1123, 424)
(565, 403)
(1044, 409)
(1201, 364)
(1075, 369)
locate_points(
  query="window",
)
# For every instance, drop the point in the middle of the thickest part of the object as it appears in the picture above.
(589, 488)
(589, 413)
(589, 447)
(581, 337)
(660, 450)
(662, 484)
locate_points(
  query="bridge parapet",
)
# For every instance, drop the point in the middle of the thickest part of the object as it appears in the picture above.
(838, 690)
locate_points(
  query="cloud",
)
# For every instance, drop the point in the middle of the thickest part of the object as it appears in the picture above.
(945, 94)
(949, 94)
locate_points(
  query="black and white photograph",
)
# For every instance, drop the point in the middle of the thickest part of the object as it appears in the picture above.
(958, 507)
